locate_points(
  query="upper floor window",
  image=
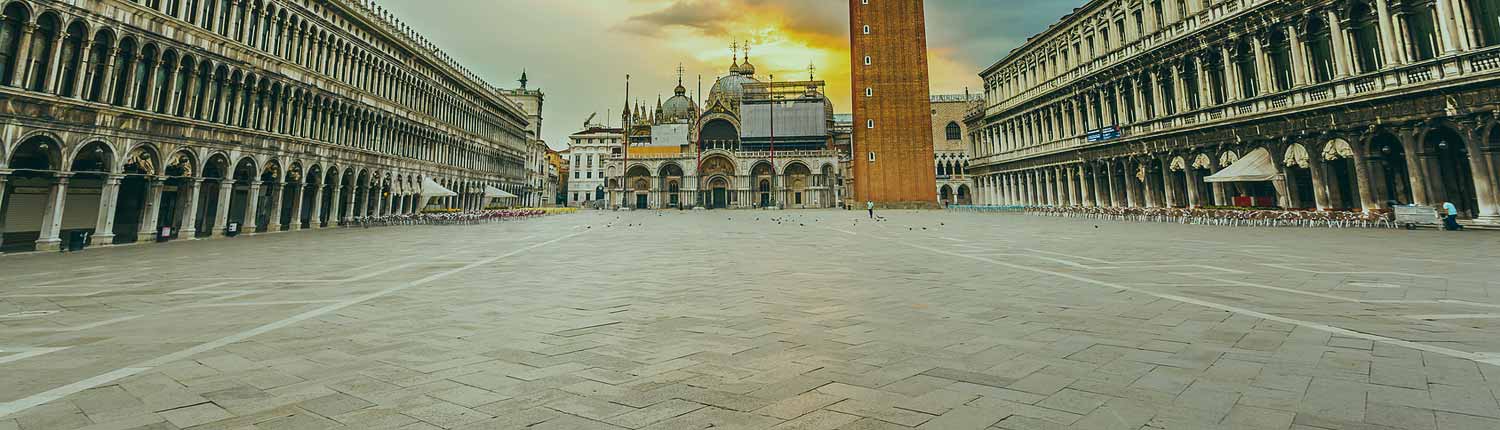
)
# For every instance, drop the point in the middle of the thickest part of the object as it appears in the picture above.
(867, 29)
(954, 131)
(868, 60)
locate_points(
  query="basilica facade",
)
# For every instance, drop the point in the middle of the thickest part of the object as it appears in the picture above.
(752, 144)
(128, 119)
(1308, 104)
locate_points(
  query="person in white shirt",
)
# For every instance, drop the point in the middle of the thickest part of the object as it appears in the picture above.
(1450, 219)
(870, 205)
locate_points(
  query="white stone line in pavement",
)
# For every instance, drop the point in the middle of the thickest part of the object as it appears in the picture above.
(92, 293)
(10, 408)
(1136, 265)
(25, 353)
(1272, 288)
(953, 239)
(1290, 266)
(1337, 297)
(232, 304)
(70, 328)
(1233, 309)
(1437, 317)
(843, 231)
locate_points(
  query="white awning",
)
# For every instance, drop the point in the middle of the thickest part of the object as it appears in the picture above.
(431, 188)
(496, 193)
(1253, 167)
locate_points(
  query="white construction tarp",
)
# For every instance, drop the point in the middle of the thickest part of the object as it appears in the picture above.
(1253, 167)
(431, 188)
(496, 193)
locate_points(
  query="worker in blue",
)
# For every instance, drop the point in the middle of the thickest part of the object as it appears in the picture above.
(1450, 217)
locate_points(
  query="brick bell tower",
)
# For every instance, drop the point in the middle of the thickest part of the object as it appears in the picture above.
(893, 154)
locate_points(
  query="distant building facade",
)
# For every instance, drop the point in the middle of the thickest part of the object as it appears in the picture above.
(587, 152)
(121, 118)
(755, 144)
(531, 101)
(1297, 104)
(951, 147)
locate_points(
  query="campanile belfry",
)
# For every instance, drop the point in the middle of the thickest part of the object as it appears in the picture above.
(893, 155)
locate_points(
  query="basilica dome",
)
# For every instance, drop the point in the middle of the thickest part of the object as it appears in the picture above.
(679, 107)
(731, 86)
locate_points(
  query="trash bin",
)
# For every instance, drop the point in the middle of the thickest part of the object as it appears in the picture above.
(232, 230)
(164, 234)
(77, 240)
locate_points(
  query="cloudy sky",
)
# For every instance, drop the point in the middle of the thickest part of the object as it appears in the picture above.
(579, 51)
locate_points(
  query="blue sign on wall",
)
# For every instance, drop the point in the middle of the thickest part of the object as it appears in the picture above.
(1103, 134)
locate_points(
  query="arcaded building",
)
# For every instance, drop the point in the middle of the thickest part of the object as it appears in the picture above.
(1353, 105)
(124, 117)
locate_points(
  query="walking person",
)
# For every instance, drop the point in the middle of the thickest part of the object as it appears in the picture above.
(1450, 219)
(870, 206)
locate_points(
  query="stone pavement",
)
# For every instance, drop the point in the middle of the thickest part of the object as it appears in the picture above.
(749, 320)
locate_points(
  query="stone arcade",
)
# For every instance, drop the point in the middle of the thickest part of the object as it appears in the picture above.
(122, 117)
(1344, 104)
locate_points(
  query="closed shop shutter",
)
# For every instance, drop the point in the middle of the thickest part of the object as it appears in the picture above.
(24, 212)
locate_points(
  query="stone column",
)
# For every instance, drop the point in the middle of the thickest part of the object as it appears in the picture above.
(1388, 34)
(273, 222)
(349, 211)
(1232, 85)
(1341, 53)
(1168, 179)
(1114, 188)
(189, 230)
(1482, 172)
(150, 79)
(1447, 32)
(1193, 199)
(1132, 196)
(221, 215)
(4, 176)
(1074, 186)
(85, 68)
(252, 206)
(150, 211)
(104, 224)
(23, 64)
(317, 207)
(50, 85)
(335, 212)
(1319, 181)
(1416, 167)
(297, 206)
(1298, 54)
(49, 238)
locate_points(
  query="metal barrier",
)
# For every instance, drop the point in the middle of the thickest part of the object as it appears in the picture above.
(987, 208)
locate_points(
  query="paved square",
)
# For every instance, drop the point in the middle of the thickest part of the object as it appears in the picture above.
(727, 320)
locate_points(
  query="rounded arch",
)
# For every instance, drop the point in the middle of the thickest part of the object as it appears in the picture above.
(39, 151)
(1296, 155)
(294, 172)
(313, 175)
(272, 171)
(245, 169)
(669, 169)
(762, 168)
(216, 166)
(1178, 164)
(95, 155)
(142, 158)
(181, 164)
(1337, 149)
